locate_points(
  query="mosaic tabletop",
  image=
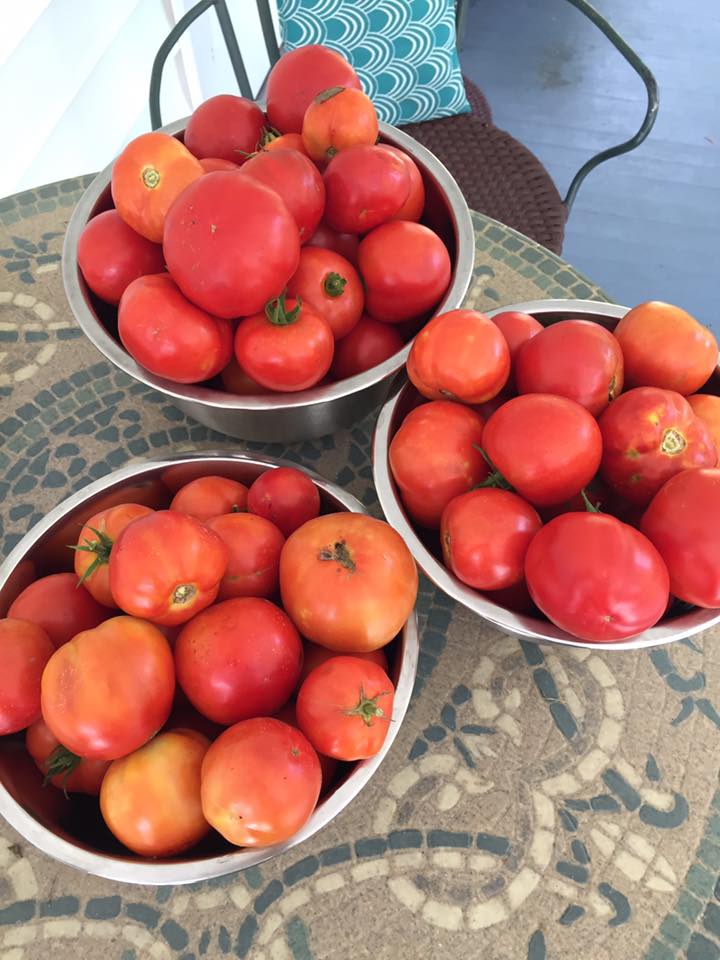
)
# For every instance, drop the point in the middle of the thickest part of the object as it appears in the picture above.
(536, 803)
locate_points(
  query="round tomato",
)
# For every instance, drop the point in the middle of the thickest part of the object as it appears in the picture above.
(665, 347)
(25, 649)
(183, 343)
(435, 456)
(57, 605)
(148, 176)
(209, 497)
(283, 141)
(517, 328)
(346, 244)
(315, 655)
(369, 343)
(683, 521)
(110, 689)
(328, 765)
(547, 448)
(577, 359)
(236, 381)
(231, 244)
(596, 577)
(344, 708)
(298, 77)
(226, 126)
(285, 496)
(414, 204)
(295, 178)
(150, 799)
(648, 436)
(254, 545)
(211, 164)
(288, 347)
(111, 255)
(460, 355)
(338, 118)
(331, 286)
(347, 581)
(707, 407)
(166, 567)
(260, 782)
(485, 535)
(92, 552)
(366, 185)
(406, 269)
(63, 769)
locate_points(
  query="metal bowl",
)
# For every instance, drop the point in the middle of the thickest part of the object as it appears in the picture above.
(71, 830)
(426, 550)
(277, 417)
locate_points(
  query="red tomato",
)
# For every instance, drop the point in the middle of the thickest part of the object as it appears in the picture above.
(25, 649)
(209, 497)
(366, 185)
(369, 343)
(183, 343)
(260, 782)
(236, 381)
(231, 244)
(485, 535)
(547, 448)
(254, 545)
(648, 436)
(108, 690)
(683, 521)
(344, 708)
(414, 205)
(285, 496)
(328, 765)
(331, 285)
(295, 178)
(347, 581)
(298, 77)
(577, 359)
(111, 255)
(346, 244)
(707, 408)
(226, 126)
(167, 567)
(92, 553)
(406, 269)
(63, 769)
(460, 355)
(315, 655)
(435, 456)
(211, 164)
(336, 119)
(150, 800)
(284, 141)
(57, 605)
(288, 347)
(665, 347)
(517, 328)
(596, 577)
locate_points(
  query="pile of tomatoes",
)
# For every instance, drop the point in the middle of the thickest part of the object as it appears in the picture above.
(208, 663)
(569, 471)
(274, 251)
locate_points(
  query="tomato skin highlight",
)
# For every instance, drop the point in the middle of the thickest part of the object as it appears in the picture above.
(59, 606)
(209, 497)
(111, 255)
(25, 649)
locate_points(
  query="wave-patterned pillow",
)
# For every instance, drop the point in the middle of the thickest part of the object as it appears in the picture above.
(404, 51)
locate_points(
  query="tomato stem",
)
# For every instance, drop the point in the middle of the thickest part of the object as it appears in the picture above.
(495, 478)
(328, 94)
(276, 311)
(334, 284)
(340, 553)
(590, 507)
(367, 708)
(267, 135)
(61, 761)
(101, 547)
(183, 593)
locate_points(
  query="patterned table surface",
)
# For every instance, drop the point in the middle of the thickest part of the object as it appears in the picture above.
(536, 804)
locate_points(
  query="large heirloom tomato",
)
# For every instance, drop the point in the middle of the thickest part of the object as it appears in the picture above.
(111, 255)
(295, 179)
(369, 343)
(208, 497)
(331, 286)
(94, 546)
(254, 545)
(225, 127)
(365, 186)
(63, 769)
(338, 118)
(25, 649)
(285, 496)
(56, 604)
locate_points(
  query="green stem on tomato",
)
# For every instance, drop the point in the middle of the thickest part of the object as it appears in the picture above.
(367, 708)
(276, 311)
(334, 284)
(590, 507)
(101, 548)
(494, 479)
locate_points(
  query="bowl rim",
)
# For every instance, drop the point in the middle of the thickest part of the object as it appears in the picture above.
(177, 872)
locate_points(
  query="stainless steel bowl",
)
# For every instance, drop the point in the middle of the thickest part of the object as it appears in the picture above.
(71, 830)
(277, 417)
(402, 400)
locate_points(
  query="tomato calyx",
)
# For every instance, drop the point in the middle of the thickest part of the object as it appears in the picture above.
(367, 708)
(183, 594)
(494, 479)
(61, 762)
(340, 553)
(267, 135)
(100, 547)
(673, 442)
(590, 507)
(334, 284)
(277, 313)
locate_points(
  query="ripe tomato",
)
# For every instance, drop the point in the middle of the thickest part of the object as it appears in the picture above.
(239, 659)
(109, 689)
(369, 343)
(346, 244)
(435, 456)
(298, 77)
(707, 408)
(92, 553)
(283, 141)
(226, 126)
(406, 269)
(295, 178)
(331, 286)
(209, 497)
(460, 355)
(211, 164)
(254, 545)
(236, 381)
(328, 765)
(25, 649)
(285, 496)
(366, 185)
(485, 535)
(315, 655)
(347, 581)
(338, 118)
(147, 178)
(111, 255)
(596, 577)
(166, 567)
(57, 605)
(414, 205)
(183, 343)
(547, 448)
(665, 347)
(231, 244)
(288, 347)
(517, 328)
(344, 708)
(683, 521)
(260, 782)
(150, 799)
(63, 769)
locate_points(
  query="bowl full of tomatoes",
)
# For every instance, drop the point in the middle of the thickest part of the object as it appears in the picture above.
(166, 678)
(557, 474)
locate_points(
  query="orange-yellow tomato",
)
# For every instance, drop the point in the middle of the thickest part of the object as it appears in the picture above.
(337, 118)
